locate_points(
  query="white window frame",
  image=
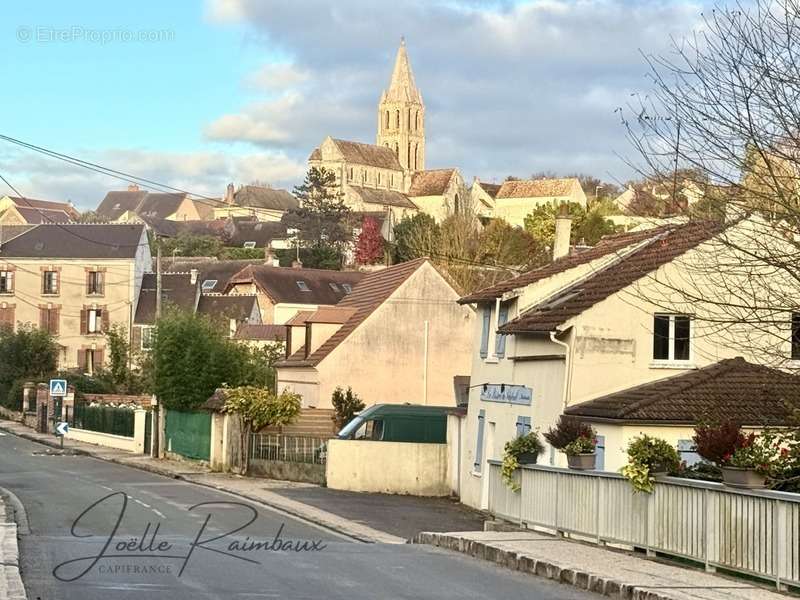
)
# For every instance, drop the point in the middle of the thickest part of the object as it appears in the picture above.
(147, 334)
(51, 277)
(94, 320)
(249, 245)
(671, 360)
(8, 276)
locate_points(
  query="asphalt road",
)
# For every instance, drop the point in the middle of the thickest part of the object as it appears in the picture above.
(111, 550)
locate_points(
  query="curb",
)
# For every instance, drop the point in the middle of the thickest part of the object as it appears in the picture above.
(582, 580)
(11, 586)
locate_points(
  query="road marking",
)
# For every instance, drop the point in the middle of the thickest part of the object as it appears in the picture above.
(105, 487)
(159, 513)
(140, 502)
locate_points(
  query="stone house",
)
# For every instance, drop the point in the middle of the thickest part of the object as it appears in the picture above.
(516, 199)
(139, 206)
(27, 211)
(258, 203)
(483, 197)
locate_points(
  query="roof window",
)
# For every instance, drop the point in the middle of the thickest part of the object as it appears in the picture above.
(334, 287)
(303, 286)
(249, 245)
(209, 284)
(347, 287)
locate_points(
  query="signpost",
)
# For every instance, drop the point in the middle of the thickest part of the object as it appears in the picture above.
(58, 389)
(62, 428)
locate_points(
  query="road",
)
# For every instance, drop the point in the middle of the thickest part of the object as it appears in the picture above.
(56, 489)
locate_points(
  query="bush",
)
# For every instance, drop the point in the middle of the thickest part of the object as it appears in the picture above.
(717, 442)
(524, 444)
(345, 406)
(13, 400)
(27, 353)
(648, 455)
(571, 433)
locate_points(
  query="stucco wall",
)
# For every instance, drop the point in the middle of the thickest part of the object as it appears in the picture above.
(388, 467)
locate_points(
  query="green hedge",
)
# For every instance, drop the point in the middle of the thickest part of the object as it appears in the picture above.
(104, 419)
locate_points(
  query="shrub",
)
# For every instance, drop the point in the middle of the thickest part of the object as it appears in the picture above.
(648, 455)
(717, 442)
(571, 436)
(524, 444)
(345, 406)
(758, 452)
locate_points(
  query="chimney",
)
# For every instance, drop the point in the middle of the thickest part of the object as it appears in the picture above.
(269, 257)
(132, 187)
(229, 194)
(563, 230)
(193, 276)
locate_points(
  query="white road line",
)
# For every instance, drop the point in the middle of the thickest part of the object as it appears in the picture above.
(105, 487)
(142, 503)
(159, 513)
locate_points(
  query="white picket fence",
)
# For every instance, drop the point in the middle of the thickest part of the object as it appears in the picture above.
(752, 532)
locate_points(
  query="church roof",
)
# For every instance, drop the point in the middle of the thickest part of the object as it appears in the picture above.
(432, 182)
(402, 88)
(368, 154)
(537, 188)
(382, 197)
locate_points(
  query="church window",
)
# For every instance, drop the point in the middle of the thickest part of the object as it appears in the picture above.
(409, 156)
(363, 175)
(397, 120)
(396, 150)
(416, 125)
(416, 156)
(391, 180)
(386, 126)
(409, 118)
(379, 177)
(350, 175)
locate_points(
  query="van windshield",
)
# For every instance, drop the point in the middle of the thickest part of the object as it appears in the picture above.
(348, 429)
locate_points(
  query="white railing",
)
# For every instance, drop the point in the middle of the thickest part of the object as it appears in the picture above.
(265, 446)
(752, 532)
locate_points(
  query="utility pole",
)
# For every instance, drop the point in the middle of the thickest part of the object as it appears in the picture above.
(158, 278)
(155, 418)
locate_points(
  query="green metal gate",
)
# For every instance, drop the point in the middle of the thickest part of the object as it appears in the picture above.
(189, 434)
(148, 432)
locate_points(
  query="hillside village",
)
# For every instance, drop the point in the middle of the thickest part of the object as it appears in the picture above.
(409, 332)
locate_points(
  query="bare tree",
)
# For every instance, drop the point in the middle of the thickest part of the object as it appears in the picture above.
(724, 115)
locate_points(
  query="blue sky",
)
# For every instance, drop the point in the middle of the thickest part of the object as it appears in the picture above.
(242, 90)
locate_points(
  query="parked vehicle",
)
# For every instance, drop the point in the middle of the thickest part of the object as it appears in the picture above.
(399, 423)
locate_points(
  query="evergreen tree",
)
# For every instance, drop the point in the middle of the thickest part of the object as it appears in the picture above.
(322, 218)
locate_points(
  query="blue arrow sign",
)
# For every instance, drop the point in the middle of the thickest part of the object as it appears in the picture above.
(62, 428)
(58, 387)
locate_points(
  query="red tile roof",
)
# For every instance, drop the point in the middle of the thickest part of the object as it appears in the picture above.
(433, 182)
(659, 250)
(537, 188)
(731, 389)
(261, 332)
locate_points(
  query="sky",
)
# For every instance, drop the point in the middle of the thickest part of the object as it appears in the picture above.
(199, 94)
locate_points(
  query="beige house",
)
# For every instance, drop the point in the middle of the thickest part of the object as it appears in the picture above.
(483, 197)
(138, 206)
(27, 211)
(255, 202)
(518, 198)
(74, 280)
(398, 337)
(439, 193)
(591, 324)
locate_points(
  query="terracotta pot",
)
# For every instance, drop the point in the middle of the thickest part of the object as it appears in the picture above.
(582, 462)
(747, 479)
(527, 458)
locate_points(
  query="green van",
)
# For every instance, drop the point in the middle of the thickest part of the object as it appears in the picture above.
(399, 423)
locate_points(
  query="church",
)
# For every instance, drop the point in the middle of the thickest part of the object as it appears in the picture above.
(389, 177)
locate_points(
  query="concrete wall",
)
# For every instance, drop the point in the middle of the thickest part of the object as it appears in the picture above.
(388, 467)
(134, 444)
(288, 471)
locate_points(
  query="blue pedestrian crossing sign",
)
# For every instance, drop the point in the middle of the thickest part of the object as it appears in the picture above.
(58, 387)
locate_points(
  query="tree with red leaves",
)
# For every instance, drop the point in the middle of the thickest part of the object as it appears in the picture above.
(369, 246)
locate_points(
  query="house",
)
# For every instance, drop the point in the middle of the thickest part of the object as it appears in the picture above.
(258, 203)
(594, 323)
(755, 396)
(184, 291)
(283, 291)
(517, 198)
(27, 211)
(74, 280)
(240, 233)
(212, 274)
(483, 196)
(398, 337)
(439, 192)
(136, 206)
(259, 335)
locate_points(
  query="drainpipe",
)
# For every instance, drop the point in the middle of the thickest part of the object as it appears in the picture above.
(425, 365)
(567, 367)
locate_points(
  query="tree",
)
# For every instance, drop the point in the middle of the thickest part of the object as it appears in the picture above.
(119, 355)
(346, 404)
(369, 246)
(415, 237)
(723, 108)
(91, 216)
(322, 217)
(28, 353)
(587, 226)
(503, 244)
(258, 408)
(190, 244)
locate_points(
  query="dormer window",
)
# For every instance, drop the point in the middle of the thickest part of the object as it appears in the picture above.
(303, 286)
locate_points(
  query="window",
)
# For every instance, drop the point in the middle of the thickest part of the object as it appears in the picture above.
(487, 320)
(208, 285)
(600, 454)
(500, 342)
(397, 120)
(478, 464)
(94, 283)
(94, 320)
(688, 453)
(347, 288)
(334, 287)
(303, 286)
(7, 314)
(671, 337)
(523, 426)
(50, 282)
(379, 177)
(795, 336)
(249, 245)
(350, 174)
(6, 282)
(48, 319)
(89, 360)
(387, 120)
(147, 338)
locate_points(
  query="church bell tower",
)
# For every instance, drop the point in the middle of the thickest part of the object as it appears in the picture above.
(401, 115)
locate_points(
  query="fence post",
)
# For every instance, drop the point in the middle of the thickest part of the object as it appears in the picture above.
(597, 513)
(708, 531)
(558, 499)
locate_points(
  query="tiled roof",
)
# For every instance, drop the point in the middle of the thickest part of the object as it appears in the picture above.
(238, 306)
(658, 251)
(433, 182)
(43, 215)
(209, 270)
(118, 202)
(537, 188)
(370, 155)
(177, 290)
(44, 205)
(490, 188)
(160, 205)
(76, 240)
(301, 286)
(382, 197)
(730, 389)
(261, 331)
(300, 318)
(331, 314)
(264, 197)
(607, 245)
(315, 155)
(260, 232)
(367, 296)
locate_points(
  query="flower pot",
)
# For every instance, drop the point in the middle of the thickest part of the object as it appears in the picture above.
(582, 462)
(527, 458)
(747, 479)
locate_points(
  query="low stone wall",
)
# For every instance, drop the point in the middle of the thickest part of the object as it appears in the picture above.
(104, 439)
(27, 419)
(388, 467)
(288, 471)
(143, 401)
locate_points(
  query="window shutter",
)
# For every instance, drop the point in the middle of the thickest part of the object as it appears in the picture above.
(82, 360)
(43, 319)
(101, 282)
(487, 318)
(479, 445)
(10, 281)
(88, 282)
(600, 453)
(54, 314)
(98, 359)
(105, 319)
(500, 343)
(84, 321)
(44, 281)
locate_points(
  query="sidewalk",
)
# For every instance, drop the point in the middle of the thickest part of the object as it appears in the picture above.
(612, 573)
(11, 587)
(366, 517)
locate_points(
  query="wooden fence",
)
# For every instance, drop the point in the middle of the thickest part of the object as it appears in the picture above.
(751, 532)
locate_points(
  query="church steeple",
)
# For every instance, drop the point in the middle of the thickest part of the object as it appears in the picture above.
(401, 115)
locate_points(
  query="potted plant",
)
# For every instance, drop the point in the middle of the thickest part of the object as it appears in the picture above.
(649, 457)
(522, 450)
(575, 439)
(745, 460)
